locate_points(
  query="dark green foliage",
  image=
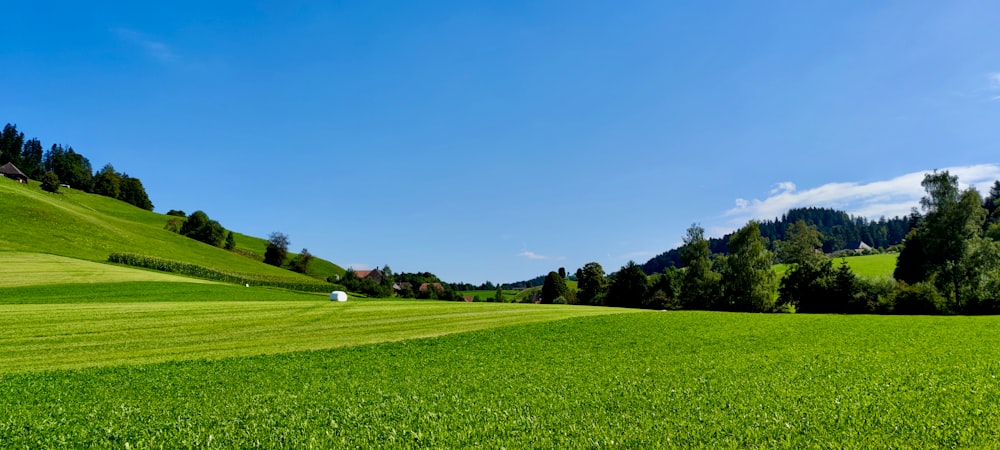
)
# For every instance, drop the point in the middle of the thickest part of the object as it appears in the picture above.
(700, 286)
(554, 287)
(629, 287)
(31, 159)
(562, 272)
(802, 242)
(498, 297)
(11, 143)
(837, 228)
(592, 284)
(277, 249)
(176, 213)
(107, 182)
(50, 182)
(133, 193)
(165, 265)
(748, 280)
(230, 241)
(201, 228)
(71, 167)
(941, 247)
(921, 298)
(300, 263)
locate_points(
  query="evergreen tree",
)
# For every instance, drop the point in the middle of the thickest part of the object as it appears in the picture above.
(11, 142)
(230, 241)
(31, 159)
(498, 297)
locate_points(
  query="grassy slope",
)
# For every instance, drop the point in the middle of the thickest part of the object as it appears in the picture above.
(868, 266)
(643, 380)
(28, 269)
(90, 227)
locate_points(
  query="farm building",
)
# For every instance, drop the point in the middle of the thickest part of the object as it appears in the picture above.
(858, 246)
(11, 171)
(375, 275)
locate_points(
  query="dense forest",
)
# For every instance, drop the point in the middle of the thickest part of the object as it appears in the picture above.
(838, 229)
(60, 165)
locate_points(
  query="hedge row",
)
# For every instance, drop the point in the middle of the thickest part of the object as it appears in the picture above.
(166, 265)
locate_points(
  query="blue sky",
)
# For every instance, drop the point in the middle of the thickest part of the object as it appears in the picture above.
(500, 140)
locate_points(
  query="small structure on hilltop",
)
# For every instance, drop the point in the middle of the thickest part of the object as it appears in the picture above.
(11, 171)
(338, 296)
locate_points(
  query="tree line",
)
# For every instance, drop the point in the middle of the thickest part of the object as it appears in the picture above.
(838, 230)
(949, 263)
(62, 165)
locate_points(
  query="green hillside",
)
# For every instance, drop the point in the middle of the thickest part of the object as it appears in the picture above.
(90, 227)
(868, 266)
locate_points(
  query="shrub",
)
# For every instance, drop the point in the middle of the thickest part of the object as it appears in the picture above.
(919, 298)
(50, 182)
(201, 228)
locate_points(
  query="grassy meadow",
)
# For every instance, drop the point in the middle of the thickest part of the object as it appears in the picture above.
(868, 266)
(638, 380)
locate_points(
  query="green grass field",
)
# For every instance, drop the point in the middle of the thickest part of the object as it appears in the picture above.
(639, 380)
(868, 266)
(31, 269)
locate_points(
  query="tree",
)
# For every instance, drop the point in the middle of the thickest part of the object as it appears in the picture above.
(592, 284)
(31, 159)
(50, 182)
(553, 287)
(562, 272)
(629, 288)
(939, 249)
(749, 280)
(201, 228)
(133, 193)
(277, 249)
(230, 241)
(107, 182)
(11, 142)
(71, 167)
(498, 297)
(300, 263)
(700, 288)
(991, 203)
(802, 243)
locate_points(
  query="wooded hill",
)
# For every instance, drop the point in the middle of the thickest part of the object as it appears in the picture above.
(840, 231)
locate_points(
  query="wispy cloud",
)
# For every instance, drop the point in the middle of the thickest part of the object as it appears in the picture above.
(359, 266)
(994, 79)
(888, 198)
(153, 48)
(532, 255)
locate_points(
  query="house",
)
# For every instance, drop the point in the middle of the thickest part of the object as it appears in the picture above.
(374, 275)
(402, 286)
(468, 298)
(11, 171)
(437, 287)
(858, 246)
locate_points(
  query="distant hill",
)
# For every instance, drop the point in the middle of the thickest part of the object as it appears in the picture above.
(87, 226)
(839, 229)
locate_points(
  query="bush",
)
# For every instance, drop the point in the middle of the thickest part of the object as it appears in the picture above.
(919, 298)
(201, 228)
(50, 182)
(176, 212)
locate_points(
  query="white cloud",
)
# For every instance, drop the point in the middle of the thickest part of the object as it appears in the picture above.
(154, 49)
(532, 255)
(784, 186)
(889, 198)
(994, 80)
